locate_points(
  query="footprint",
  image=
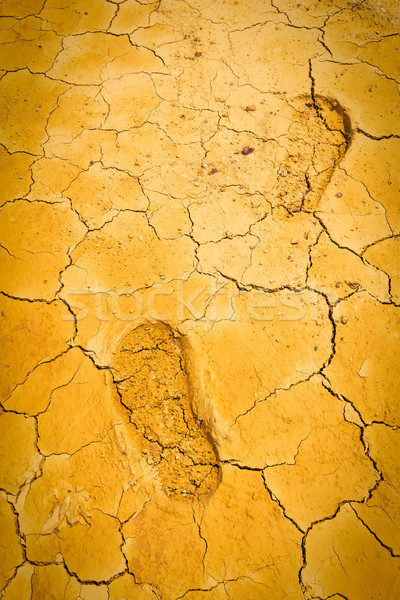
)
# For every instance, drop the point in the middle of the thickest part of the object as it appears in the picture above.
(317, 139)
(151, 373)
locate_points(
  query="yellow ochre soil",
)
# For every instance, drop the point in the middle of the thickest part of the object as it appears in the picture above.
(200, 300)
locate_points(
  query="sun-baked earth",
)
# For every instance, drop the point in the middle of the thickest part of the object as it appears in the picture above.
(200, 299)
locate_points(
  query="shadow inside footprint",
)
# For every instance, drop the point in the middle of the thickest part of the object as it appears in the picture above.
(151, 374)
(317, 139)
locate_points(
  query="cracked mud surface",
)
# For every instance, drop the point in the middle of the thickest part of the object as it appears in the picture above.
(199, 300)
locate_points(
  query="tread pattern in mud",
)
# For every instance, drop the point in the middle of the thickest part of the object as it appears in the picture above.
(150, 369)
(319, 136)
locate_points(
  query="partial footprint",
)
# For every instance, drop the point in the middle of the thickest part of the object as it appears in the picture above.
(151, 373)
(316, 141)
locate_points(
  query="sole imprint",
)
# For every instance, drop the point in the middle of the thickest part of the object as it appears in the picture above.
(317, 139)
(151, 374)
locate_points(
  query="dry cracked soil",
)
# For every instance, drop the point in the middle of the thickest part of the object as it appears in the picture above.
(200, 296)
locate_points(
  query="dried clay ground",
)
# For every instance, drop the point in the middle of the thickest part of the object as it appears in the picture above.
(200, 296)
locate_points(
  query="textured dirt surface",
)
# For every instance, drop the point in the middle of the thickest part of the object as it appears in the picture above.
(199, 300)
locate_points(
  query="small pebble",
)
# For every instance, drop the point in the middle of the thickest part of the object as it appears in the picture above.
(229, 234)
(339, 195)
(247, 150)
